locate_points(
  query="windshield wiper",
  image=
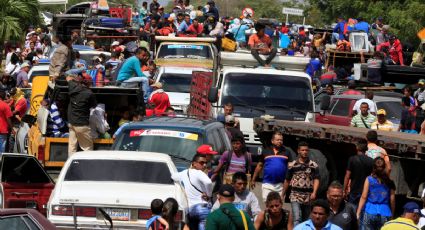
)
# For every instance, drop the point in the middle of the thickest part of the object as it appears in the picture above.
(173, 56)
(286, 108)
(196, 57)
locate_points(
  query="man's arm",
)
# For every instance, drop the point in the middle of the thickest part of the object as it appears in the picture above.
(285, 188)
(352, 123)
(138, 70)
(387, 162)
(256, 172)
(400, 55)
(316, 184)
(346, 182)
(254, 205)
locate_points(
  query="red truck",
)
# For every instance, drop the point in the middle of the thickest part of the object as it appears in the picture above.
(340, 109)
(23, 183)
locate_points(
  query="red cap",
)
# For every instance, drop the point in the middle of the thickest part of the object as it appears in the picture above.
(206, 149)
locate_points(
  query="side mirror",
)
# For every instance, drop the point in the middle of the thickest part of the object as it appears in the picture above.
(213, 95)
(29, 119)
(325, 102)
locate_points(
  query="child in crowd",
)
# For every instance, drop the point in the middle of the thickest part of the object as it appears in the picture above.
(156, 221)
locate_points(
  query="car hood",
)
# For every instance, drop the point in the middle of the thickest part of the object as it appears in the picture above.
(114, 193)
(179, 98)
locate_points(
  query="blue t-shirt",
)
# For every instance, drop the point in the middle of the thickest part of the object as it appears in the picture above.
(308, 225)
(275, 165)
(313, 66)
(130, 68)
(240, 36)
(284, 41)
(364, 26)
(151, 220)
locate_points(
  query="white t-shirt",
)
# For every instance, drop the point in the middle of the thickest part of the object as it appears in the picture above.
(200, 180)
(372, 105)
(10, 68)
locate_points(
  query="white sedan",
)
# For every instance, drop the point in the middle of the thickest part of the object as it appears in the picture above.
(96, 185)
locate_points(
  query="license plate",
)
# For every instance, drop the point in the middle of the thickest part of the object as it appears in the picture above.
(118, 214)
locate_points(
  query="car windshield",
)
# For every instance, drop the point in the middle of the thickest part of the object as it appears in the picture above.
(176, 82)
(123, 171)
(393, 109)
(179, 145)
(262, 90)
(185, 51)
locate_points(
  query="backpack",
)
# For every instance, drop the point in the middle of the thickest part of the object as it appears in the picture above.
(247, 161)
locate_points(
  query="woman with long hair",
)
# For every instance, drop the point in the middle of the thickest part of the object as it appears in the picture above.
(378, 198)
(169, 212)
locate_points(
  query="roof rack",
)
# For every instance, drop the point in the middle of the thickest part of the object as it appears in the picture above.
(185, 39)
(245, 59)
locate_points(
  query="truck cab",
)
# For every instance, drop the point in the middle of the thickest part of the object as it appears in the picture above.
(176, 82)
(186, 52)
(255, 92)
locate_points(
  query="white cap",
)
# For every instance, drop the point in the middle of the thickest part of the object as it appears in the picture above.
(25, 64)
(115, 43)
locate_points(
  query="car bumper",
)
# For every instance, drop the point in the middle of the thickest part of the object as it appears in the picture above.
(99, 224)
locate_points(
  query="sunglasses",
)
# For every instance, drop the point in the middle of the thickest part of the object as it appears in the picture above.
(202, 162)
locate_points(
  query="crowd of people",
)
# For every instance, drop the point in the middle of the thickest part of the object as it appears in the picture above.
(366, 199)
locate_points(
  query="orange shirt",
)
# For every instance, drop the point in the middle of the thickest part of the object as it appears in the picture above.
(257, 42)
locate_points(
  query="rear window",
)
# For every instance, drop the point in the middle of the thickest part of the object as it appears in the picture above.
(22, 170)
(119, 171)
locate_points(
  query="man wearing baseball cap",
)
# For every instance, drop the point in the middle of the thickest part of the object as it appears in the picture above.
(407, 221)
(228, 216)
(208, 152)
(382, 123)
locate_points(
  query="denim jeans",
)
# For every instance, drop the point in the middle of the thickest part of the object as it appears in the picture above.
(134, 82)
(373, 222)
(335, 38)
(3, 141)
(300, 212)
(198, 214)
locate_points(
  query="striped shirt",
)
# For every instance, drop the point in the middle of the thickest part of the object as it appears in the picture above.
(114, 63)
(55, 123)
(357, 121)
(237, 163)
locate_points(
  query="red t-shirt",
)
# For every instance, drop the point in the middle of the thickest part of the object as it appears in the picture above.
(21, 107)
(5, 113)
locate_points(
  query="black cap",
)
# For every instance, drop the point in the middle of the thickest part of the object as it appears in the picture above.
(227, 190)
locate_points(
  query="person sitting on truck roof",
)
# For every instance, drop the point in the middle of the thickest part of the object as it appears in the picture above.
(260, 43)
(382, 123)
(363, 119)
(329, 77)
(130, 68)
(195, 28)
(395, 50)
(351, 89)
(184, 25)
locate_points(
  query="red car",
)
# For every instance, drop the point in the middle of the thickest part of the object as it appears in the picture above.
(340, 109)
(24, 183)
(19, 218)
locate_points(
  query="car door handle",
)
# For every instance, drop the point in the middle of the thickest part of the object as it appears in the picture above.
(326, 119)
(24, 193)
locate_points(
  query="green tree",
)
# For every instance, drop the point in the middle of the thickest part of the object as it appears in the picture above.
(405, 17)
(16, 16)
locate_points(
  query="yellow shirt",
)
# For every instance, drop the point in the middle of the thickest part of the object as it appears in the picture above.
(400, 224)
(387, 126)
